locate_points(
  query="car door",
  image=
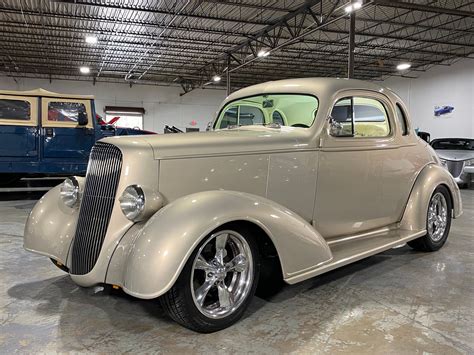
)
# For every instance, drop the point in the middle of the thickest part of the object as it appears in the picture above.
(62, 137)
(18, 127)
(350, 195)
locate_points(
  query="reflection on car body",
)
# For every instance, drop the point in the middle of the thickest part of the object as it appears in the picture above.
(193, 218)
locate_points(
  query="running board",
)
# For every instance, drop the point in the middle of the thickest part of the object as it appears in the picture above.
(350, 251)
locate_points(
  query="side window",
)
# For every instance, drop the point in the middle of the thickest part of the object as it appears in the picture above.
(342, 117)
(402, 119)
(359, 117)
(370, 118)
(59, 111)
(15, 110)
(250, 115)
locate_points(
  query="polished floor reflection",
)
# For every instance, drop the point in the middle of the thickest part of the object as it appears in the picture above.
(397, 302)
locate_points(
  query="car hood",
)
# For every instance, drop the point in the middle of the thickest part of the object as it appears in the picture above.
(455, 155)
(221, 142)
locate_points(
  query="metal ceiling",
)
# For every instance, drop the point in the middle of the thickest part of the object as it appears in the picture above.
(187, 42)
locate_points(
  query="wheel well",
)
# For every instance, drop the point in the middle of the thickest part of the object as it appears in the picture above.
(271, 274)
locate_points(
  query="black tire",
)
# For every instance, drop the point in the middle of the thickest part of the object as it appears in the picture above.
(426, 243)
(179, 304)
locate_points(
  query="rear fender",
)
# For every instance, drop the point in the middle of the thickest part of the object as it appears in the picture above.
(150, 257)
(430, 177)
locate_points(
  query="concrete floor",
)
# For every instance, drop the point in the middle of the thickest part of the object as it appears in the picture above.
(397, 302)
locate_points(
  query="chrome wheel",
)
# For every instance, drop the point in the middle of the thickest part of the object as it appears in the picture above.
(437, 217)
(222, 274)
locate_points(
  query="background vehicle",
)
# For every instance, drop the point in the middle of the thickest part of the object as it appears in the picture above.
(456, 155)
(46, 133)
(196, 218)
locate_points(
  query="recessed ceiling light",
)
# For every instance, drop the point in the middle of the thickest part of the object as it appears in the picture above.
(85, 70)
(216, 78)
(403, 66)
(91, 39)
(263, 53)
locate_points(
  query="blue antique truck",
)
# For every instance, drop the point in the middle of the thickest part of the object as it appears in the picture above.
(44, 133)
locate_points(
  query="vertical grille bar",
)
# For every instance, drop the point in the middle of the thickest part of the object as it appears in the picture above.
(102, 179)
(455, 167)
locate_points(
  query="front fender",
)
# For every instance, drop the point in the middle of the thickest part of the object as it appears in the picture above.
(50, 227)
(150, 257)
(432, 175)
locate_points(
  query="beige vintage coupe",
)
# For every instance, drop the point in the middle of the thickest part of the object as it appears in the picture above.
(296, 178)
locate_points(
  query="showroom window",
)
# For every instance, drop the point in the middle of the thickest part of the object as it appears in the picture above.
(15, 110)
(359, 117)
(402, 119)
(59, 111)
(129, 117)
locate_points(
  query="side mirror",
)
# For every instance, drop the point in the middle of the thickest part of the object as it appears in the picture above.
(335, 128)
(82, 118)
(425, 136)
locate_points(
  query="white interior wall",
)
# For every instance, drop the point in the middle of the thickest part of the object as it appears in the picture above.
(441, 85)
(162, 105)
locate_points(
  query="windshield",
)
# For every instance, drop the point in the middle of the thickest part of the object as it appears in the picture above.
(453, 144)
(295, 110)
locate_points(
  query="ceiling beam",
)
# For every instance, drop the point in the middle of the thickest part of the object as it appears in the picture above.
(421, 7)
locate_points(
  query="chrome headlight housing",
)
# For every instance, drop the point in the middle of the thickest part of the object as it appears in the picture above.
(132, 203)
(69, 192)
(469, 162)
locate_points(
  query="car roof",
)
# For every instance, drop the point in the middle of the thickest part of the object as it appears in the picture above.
(45, 93)
(315, 86)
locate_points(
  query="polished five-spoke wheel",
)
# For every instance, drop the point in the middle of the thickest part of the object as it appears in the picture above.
(437, 216)
(222, 274)
(217, 282)
(438, 221)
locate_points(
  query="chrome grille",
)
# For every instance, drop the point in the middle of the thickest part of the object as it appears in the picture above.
(103, 174)
(455, 167)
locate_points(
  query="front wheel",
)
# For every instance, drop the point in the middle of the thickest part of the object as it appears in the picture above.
(217, 283)
(438, 222)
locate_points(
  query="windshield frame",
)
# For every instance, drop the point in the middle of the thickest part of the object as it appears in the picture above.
(229, 103)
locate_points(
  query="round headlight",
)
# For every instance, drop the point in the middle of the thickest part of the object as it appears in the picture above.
(69, 192)
(132, 202)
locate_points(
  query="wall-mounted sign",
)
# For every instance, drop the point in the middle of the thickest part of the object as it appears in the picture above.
(444, 111)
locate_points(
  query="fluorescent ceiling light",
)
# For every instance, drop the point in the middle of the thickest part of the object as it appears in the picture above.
(91, 39)
(84, 70)
(353, 6)
(263, 53)
(216, 78)
(403, 66)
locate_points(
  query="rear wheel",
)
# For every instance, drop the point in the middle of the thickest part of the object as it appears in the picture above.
(438, 222)
(217, 283)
